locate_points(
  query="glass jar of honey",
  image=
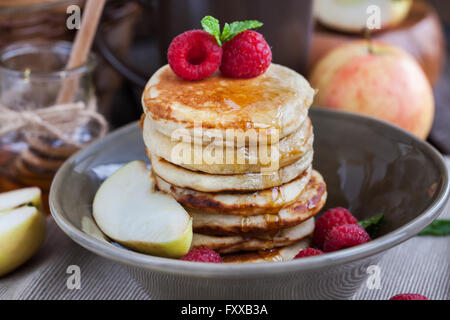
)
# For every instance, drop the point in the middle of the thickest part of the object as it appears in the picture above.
(38, 129)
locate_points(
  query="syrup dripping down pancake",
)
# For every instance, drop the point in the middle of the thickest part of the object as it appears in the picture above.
(230, 244)
(273, 255)
(278, 99)
(205, 182)
(266, 201)
(310, 202)
(290, 149)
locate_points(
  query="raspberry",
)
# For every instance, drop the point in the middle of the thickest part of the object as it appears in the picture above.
(308, 253)
(345, 236)
(331, 218)
(194, 55)
(409, 296)
(247, 55)
(202, 255)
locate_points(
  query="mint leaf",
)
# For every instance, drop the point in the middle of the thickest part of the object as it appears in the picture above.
(230, 30)
(438, 228)
(371, 221)
(226, 32)
(233, 29)
(212, 26)
(372, 224)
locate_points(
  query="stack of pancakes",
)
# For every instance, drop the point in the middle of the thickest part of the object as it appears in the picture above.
(237, 154)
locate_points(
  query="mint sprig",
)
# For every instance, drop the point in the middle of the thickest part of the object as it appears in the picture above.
(212, 26)
(438, 228)
(372, 224)
(233, 29)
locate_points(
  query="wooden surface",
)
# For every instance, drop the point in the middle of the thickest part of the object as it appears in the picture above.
(18, 3)
(442, 8)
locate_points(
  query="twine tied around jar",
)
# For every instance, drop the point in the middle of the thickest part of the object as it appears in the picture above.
(57, 121)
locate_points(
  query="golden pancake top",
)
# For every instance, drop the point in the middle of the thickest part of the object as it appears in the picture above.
(278, 98)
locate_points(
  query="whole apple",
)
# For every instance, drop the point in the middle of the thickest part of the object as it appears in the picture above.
(378, 80)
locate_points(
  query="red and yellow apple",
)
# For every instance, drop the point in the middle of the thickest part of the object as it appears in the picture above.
(378, 80)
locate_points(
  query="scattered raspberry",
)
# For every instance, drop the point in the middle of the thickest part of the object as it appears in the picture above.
(194, 55)
(308, 253)
(247, 55)
(202, 255)
(331, 218)
(345, 236)
(409, 296)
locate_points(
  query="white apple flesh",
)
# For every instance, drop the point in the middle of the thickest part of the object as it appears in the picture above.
(22, 232)
(353, 15)
(89, 227)
(14, 199)
(129, 211)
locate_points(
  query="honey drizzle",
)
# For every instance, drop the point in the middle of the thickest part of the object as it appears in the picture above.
(245, 224)
(239, 97)
(273, 221)
(270, 255)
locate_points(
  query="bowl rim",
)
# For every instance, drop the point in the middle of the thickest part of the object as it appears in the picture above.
(253, 270)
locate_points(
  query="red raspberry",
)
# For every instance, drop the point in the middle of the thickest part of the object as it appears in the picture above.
(194, 55)
(331, 218)
(247, 55)
(409, 296)
(202, 255)
(345, 236)
(308, 253)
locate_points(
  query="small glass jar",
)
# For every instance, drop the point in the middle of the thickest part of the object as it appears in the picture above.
(39, 128)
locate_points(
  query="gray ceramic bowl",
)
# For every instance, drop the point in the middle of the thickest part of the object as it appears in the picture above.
(369, 166)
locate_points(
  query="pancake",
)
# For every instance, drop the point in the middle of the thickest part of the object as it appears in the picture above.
(266, 201)
(205, 182)
(275, 255)
(232, 244)
(310, 202)
(278, 99)
(290, 149)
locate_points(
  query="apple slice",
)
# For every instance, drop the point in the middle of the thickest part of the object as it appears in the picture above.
(22, 232)
(89, 227)
(129, 211)
(353, 15)
(14, 199)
